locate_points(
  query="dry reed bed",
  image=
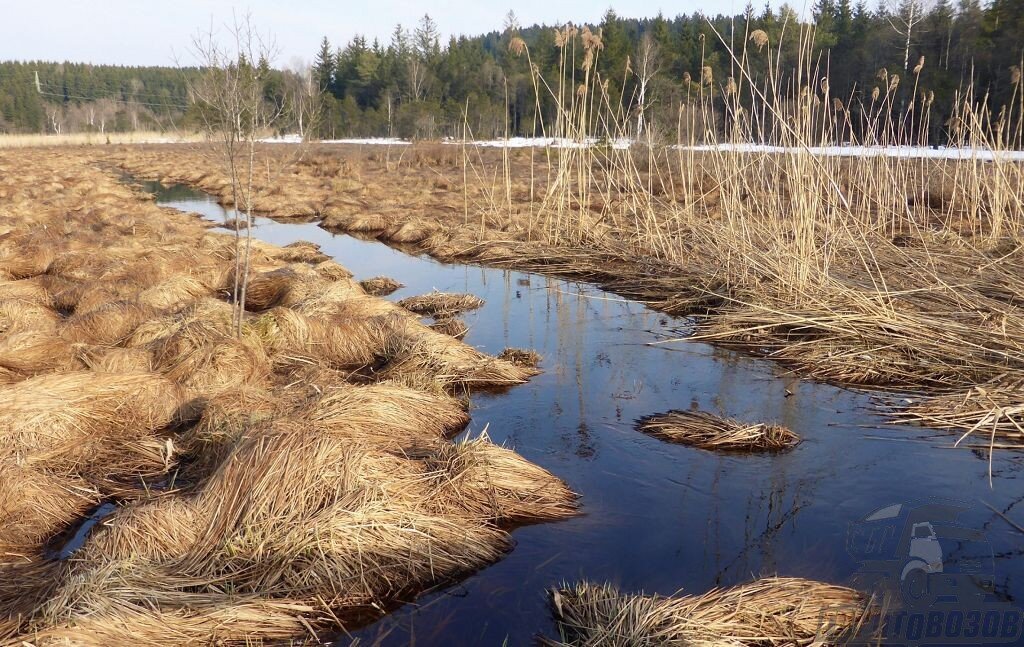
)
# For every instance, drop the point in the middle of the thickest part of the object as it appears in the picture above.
(765, 612)
(708, 431)
(866, 272)
(271, 484)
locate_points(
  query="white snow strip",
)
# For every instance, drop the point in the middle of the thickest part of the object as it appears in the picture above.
(283, 139)
(369, 141)
(544, 142)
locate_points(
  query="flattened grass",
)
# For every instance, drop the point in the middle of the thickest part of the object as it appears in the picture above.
(708, 431)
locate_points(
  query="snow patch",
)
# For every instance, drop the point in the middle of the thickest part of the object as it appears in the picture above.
(545, 142)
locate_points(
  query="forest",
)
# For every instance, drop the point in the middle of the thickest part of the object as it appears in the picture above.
(418, 86)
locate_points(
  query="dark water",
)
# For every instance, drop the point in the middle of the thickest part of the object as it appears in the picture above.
(658, 517)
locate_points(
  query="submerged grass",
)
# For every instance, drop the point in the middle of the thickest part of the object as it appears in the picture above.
(708, 431)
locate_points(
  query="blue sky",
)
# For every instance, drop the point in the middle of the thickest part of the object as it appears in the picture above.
(144, 32)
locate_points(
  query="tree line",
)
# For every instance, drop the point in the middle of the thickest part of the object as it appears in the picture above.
(417, 86)
(413, 86)
(41, 97)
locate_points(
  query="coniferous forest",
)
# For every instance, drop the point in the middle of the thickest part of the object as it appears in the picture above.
(417, 86)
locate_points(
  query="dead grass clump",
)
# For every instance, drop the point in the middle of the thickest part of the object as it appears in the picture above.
(84, 265)
(85, 297)
(103, 359)
(428, 356)
(207, 365)
(340, 342)
(235, 224)
(389, 414)
(983, 413)
(412, 232)
(439, 304)
(36, 505)
(225, 419)
(369, 223)
(72, 418)
(345, 298)
(708, 431)
(30, 290)
(208, 316)
(299, 522)
(27, 260)
(266, 289)
(31, 352)
(174, 292)
(765, 612)
(451, 326)
(332, 271)
(380, 286)
(21, 315)
(302, 251)
(107, 325)
(520, 357)
(479, 478)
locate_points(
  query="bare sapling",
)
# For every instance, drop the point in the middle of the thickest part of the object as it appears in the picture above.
(235, 114)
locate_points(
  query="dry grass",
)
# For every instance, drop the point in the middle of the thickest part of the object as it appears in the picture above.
(380, 286)
(765, 612)
(872, 271)
(95, 139)
(61, 419)
(708, 431)
(520, 357)
(451, 326)
(441, 304)
(270, 485)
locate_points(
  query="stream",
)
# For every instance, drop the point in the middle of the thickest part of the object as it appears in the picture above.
(658, 517)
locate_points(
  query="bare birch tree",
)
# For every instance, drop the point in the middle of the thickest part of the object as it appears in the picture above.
(235, 116)
(646, 67)
(905, 18)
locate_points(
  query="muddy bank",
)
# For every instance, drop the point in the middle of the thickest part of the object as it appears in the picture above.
(273, 481)
(922, 302)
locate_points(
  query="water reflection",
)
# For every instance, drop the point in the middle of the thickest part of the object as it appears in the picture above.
(658, 517)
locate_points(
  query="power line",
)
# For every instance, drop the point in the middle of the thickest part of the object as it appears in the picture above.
(68, 97)
(59, 87)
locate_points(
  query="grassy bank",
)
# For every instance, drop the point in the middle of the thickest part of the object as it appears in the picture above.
(271, 485)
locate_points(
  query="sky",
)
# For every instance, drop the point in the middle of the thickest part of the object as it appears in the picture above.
(147, 32)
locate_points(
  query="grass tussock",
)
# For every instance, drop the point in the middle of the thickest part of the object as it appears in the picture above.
(441, 304)
(63, 417)
(380, 286)
(451, 326)
(708, 431)
(765, 612)
(521, 357)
